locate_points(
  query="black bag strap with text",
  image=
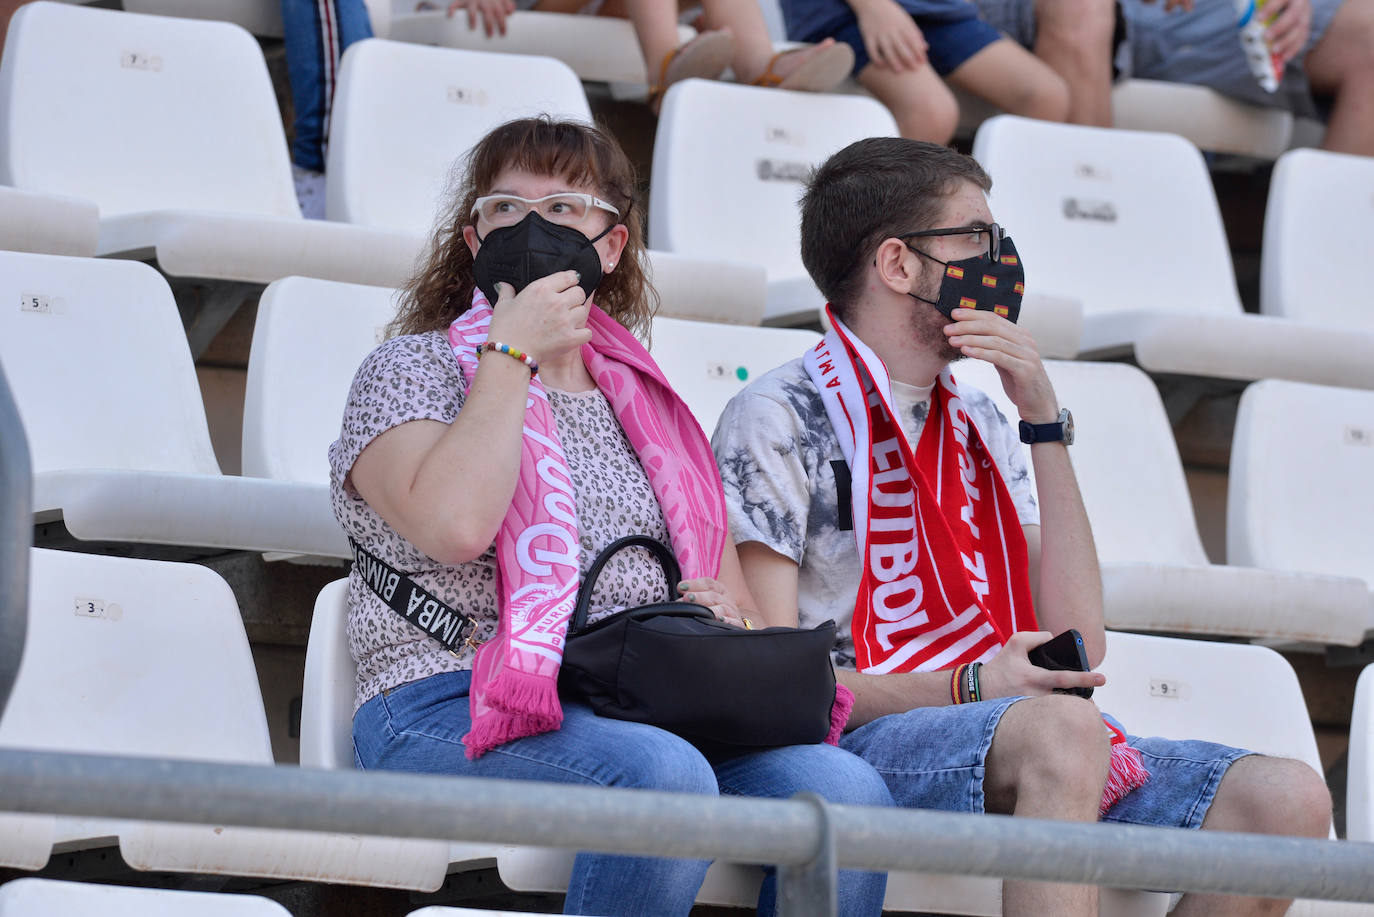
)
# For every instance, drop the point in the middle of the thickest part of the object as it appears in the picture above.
(413, 602)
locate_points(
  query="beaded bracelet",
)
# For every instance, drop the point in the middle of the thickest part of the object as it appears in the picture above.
(510, 351)
(956, 684)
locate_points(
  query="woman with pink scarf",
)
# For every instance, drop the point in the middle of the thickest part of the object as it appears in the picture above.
(510, 429)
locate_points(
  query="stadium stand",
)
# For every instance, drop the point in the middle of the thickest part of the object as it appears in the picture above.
(394, 146)
(727, 171)
(171, 127)
(52, 898)
(1320, 214)
(1301, 495)
(1210, 697)
(261, 17)
(1128, 222)
(311, 336)
(404, 115)
(718, 142)
(1359, 781)
(1155, 574)
(47, 223)
(1207, 118)
(597, 48)
(103, 378)
(707, 364)
(129, 673)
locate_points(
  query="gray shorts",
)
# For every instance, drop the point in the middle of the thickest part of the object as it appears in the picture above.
(935, 758)
(1200, 47)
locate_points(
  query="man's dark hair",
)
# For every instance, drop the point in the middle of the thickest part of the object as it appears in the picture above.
(869, 191)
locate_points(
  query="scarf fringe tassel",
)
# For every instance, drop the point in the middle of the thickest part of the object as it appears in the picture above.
(839, 713)
(521, 705)
(1127, 772)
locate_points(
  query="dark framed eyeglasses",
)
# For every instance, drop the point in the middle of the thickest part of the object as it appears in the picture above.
(994, 233)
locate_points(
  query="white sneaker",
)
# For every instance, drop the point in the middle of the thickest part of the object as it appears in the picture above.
(309, 192)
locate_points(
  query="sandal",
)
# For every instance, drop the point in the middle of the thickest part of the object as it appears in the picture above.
(705, 57)
(824, 69)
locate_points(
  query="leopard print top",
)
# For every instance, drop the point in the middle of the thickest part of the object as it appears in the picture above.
(416, 377)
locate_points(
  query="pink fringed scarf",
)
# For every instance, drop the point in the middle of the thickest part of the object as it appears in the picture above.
(515, 675)
(945, 571)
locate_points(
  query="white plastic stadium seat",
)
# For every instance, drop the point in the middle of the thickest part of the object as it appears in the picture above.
(1192, 689)
(53, 898)
(597, 48)
(707, 364)
(1359, 780)
(155, 662)
(47, 223)
(729, 162)
(261, 17)
(171, 127)
(310, 338)
(1196, 689)
(121, 451)
(1301, 494)
(1319, 217)
(1128, 222)
(404, 114)
(1205, 117)
(1155, 573)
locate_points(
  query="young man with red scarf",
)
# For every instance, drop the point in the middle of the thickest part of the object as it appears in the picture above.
(869, 447)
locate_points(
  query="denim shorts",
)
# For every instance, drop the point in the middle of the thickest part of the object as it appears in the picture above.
(935, 758)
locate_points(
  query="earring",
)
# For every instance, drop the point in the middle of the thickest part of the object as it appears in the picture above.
(610, 265)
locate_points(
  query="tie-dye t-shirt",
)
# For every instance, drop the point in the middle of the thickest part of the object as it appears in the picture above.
(775, 447)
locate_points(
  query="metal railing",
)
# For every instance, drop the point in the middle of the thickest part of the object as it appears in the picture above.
(807, 838)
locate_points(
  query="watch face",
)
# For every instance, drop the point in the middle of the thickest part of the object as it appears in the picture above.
(1066, 419)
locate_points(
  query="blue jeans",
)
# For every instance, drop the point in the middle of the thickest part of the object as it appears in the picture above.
(419, 727)
(316, 33)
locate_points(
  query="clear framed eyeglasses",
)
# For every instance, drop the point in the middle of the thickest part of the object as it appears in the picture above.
(567, 208)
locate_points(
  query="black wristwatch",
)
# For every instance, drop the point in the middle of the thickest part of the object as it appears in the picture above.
(1059, 431)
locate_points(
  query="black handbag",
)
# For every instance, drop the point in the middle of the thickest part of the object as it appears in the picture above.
(673, 665)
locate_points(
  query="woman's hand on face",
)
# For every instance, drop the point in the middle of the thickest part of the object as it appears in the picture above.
(716, 597)
(1012, 674)
(546, 319)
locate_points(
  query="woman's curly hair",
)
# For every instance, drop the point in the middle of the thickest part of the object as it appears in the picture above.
(583, 154)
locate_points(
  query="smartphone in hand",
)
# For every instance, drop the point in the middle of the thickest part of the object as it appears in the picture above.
(1063, 653)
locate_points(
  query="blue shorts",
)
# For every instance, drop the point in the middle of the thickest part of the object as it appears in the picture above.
(934, 758)
(952, 28)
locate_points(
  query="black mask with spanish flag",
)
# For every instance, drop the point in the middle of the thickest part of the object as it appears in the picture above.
(977, 283)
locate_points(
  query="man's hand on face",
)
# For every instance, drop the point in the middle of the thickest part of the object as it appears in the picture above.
(989, 337)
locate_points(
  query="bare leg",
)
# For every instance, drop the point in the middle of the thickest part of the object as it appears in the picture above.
(754, 49)
(1343, 63)
(1074, 37)
(924, 107)
(655, 23)
(1014, 80)
(1261, 795)
(1048, 759)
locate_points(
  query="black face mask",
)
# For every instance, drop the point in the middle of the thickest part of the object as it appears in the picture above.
(977, 283)
(531, 249)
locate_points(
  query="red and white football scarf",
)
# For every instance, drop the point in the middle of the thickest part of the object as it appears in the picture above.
(945, 578)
